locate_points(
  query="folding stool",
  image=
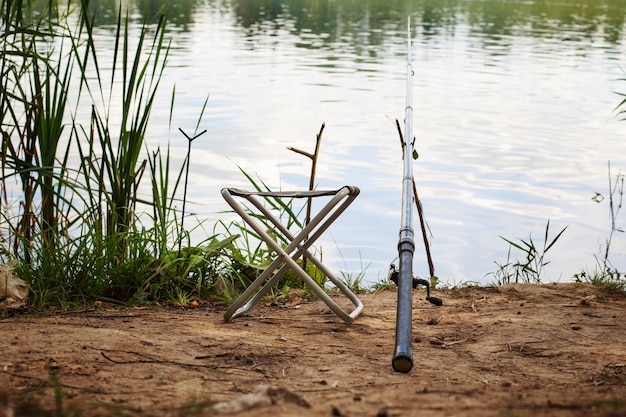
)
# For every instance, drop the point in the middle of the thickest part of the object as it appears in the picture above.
(298, 245)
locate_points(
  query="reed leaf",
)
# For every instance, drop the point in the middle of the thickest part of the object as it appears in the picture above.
(120, 160)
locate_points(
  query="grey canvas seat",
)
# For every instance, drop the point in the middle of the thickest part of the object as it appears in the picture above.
(297, 246)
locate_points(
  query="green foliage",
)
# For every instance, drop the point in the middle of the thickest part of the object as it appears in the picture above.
(115, 160)
(76, 230)
(35, 78)
(608, 279)
(354, 282)
(528, 270)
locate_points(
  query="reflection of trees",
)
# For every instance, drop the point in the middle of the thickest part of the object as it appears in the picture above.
(367, 23)
(370, 20)
(179, 12)
(361, 24)
(255, 12)
(103, 12)
(540, 18)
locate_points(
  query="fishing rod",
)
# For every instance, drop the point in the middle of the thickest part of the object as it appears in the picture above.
(403, 354)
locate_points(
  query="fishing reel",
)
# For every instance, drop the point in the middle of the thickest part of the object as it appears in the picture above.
(393, 277)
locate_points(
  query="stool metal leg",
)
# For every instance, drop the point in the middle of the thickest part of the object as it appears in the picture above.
(298, 246)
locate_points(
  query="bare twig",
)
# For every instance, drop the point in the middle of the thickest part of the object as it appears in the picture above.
(313, 157)
(151, 360)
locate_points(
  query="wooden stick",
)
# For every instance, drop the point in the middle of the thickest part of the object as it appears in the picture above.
(313, 157)
(420, 210)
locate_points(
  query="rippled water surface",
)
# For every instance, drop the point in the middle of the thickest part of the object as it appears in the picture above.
(514, 117)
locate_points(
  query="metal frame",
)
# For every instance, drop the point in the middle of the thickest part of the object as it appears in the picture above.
(298, 246)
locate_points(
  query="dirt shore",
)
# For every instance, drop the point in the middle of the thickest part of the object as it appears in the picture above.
(519, 350)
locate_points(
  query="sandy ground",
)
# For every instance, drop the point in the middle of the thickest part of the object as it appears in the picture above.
(520, 350)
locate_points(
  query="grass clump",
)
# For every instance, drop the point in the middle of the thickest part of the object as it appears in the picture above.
(74, 212)
(85, 213)
(530, 268)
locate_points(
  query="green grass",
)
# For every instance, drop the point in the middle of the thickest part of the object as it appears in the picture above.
(528, 269)
(74, 220)
(79, 230)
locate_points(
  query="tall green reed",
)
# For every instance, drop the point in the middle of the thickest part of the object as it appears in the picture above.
(114, 158)
(73, 214)
(75, 223)
(36, 77)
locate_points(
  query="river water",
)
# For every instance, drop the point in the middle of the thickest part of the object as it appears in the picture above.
(514, 117)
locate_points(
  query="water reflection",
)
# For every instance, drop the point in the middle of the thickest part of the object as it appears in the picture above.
(513, 104)
(369, 22)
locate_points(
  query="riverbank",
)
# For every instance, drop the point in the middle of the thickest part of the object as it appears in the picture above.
(535, 350)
